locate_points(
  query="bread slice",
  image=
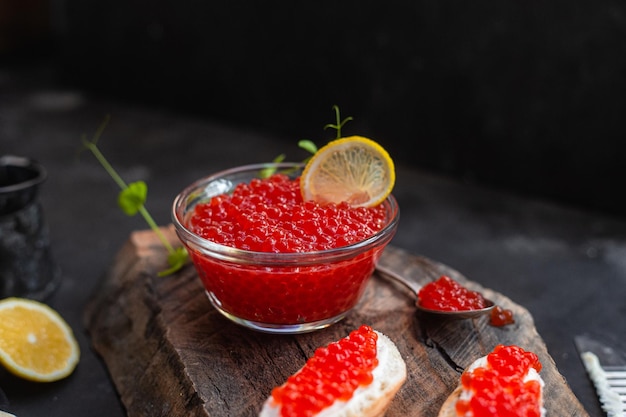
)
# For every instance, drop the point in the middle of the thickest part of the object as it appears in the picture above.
(448, 409)
(367, 401)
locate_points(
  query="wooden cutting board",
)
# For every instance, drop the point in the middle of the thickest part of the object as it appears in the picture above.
(170, 353)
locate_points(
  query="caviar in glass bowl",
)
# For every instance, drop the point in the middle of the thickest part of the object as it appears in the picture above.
(272, 262)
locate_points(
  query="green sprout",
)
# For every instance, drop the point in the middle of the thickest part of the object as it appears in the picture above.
(133, 196)
(340, 122)
(309, 145)
(131, 200)
(305, 144)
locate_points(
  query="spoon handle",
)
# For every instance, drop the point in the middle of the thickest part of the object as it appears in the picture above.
(413, 286)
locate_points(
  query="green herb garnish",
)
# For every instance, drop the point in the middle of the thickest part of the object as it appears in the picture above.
(339, 124)
(309, 145)
(133, 196)
(131, 200)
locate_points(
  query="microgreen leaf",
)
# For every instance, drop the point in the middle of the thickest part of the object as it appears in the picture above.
(340, 122)
(131, 198)
(307, 145)
(267, 172)
(279, 158)
(176, 260)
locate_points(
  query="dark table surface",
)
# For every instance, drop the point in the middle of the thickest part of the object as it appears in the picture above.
(565, 265)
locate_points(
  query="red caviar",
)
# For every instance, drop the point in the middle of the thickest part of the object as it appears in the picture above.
(501, 317)
(333, 373)
(499, 389)
(269, 215)
(448, 295)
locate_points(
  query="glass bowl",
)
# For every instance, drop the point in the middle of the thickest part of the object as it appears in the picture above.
(278, 292)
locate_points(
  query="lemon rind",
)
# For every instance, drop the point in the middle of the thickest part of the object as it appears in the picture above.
(379, 154)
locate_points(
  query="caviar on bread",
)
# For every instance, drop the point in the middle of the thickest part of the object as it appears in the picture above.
(358, 375)
(505, 382)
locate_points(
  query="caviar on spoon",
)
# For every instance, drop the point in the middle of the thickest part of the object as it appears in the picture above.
(444, 297)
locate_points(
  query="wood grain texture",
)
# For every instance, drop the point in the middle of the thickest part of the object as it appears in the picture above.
(170, 353)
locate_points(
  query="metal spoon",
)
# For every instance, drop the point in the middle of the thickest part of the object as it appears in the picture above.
(415, 288)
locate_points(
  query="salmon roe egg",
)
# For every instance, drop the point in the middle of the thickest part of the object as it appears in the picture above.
(269, 215)
(499, 388)
(448, 295)
(501, 317)
(333, 373)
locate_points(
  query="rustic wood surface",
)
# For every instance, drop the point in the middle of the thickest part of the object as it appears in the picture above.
(169, 353)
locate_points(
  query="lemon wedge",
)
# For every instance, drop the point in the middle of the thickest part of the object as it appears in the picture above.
(35, 341)
(354, 169)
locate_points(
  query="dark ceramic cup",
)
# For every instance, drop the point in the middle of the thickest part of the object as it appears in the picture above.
(26, 265)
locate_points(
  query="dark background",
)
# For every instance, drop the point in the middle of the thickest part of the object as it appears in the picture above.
(527, 96)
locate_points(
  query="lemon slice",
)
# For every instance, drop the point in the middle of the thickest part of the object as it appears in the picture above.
(35, 342)
(353, 169)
